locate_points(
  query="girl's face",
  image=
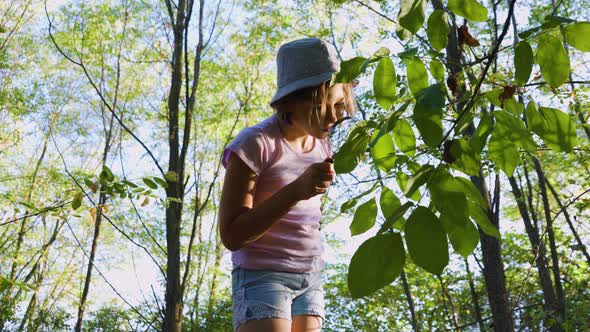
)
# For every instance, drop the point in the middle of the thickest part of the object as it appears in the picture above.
(318, 127)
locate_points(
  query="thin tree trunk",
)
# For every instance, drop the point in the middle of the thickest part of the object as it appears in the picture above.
(474, 297)
(552, 244)
(538, 250)
(7, 299)
(581, 245)
(410, 301)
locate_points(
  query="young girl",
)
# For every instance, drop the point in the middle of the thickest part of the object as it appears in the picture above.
(269, 213)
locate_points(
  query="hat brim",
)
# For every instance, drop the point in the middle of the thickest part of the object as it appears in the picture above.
(301, 84)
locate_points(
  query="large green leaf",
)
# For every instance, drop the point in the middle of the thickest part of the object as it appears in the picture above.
(375, 264)
(364, 217)
(466, 158)
(479, 138)
(417, 75)
(402, 181)
(352, 68)
(438, 29)
(464, 239)
(428, 114)
(384, 81)
(523, 62)
(437, 70)
(553, 60)
(349, 70)
(503, 153)
(448, 196)
(389, 202)
(383, 152)
(404, 137)
(353, 150)
(427, 241)
(556, 128)
(513, 129)
(411, 17)
(472, 193)
(480, 216)
(578, 35)
(419, 178)
(470, 9)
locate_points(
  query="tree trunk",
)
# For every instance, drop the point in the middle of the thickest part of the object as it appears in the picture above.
(410, 301)
(474, 298)
(538, 250)
(581, 245)
(552, 244)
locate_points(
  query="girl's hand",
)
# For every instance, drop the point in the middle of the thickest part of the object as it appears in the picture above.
(315, 180)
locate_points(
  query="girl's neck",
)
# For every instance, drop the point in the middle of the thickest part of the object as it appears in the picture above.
(296, 137)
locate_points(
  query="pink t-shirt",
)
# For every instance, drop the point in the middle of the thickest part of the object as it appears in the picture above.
(293, 243)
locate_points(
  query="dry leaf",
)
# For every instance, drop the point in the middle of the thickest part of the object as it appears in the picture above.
(464, 37)
(507, 93)
(145, 202)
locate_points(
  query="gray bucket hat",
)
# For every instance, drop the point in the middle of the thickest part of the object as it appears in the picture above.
(304, 63)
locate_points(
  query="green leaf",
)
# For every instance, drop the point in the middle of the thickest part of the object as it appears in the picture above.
(384, 81)
(171, 176)
(553, 60)
(438, 29)
(77, 201)
(493, 96)
(389, 202)
(404, 137)
(376, 263)
(417, 76)
(349, 70)
(106, 175)
(464, 239)
(523, 62)
(556, 128)
(402, 182)
(427, 241)
(150, 183)
(470, 9)
(513, 107)
(437, 70)
(418, 179)
(466, 159)
(503, 153)
(348, 205)
(513, 129)
(577, 35)
(411, 17)
(383, 152)
(353, 150)
(364, 217)
(481, 218)
(471, 192)
(428, 114)
(448, 196)
(396, 219)
(161, 182)
(479, 138)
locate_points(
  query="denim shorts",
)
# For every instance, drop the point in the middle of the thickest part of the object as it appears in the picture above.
(259, 294)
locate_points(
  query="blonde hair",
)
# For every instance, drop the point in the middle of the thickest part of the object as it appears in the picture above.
(319, 97)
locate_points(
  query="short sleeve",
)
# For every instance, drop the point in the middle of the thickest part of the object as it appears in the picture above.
(250, 146)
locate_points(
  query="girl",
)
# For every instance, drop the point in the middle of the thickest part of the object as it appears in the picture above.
(269, 213)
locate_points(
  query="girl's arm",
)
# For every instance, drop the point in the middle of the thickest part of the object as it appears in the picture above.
(240, 223)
